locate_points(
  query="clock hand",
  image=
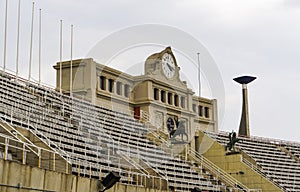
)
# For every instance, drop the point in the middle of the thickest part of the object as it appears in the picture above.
(171, 68)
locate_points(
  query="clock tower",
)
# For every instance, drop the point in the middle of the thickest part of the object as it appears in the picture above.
(163, 66)
(168, 100)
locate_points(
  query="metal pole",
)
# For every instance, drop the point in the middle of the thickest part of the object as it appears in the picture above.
(199, 77)
(40, 43)
(5, 35)
(60, 63)
(18, 38)
(31, 39)
(71, 62)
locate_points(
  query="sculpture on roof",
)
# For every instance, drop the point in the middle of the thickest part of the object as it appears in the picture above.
(232, 141)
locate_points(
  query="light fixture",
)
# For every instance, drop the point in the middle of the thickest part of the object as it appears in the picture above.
(110, 180)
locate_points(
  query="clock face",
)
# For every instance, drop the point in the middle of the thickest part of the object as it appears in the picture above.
(168, 65)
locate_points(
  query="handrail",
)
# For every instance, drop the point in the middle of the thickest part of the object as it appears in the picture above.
(26, 144)
(25, 149)
(155, 170)
(265, 139)
(216, 170)
(50, 143)
(133, 163)
(47, 141)
(9, 126)
(157, 136)
(257, 170)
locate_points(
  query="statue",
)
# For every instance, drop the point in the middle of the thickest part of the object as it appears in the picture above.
(232, 141)
(179, 131)
(170, 126)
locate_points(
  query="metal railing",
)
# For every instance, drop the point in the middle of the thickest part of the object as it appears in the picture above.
(19, 151)
(128, 177)
(35, 132)
(215, 170)
(258, 170)
(157, 136)
(251, 165)
(127, 158)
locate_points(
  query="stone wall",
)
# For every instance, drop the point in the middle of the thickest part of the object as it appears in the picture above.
(15, 177)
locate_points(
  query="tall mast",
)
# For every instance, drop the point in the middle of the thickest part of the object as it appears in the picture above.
(40, 43)
(31, 40)
(60, 57)
(199, 75)
(5, 36)
(18, 38)
(71, 62)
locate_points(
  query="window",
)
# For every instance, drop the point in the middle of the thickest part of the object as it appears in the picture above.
(194, 107)
(119, 88)
(200, 110)
(156, 94)
(170, 98)
(182, 102)
(110, 85)
(126, 90)
(176, 100)
(102, 83)
(206, 112)
(163, 96)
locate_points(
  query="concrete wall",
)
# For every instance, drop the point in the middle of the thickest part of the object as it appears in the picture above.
(15, 177)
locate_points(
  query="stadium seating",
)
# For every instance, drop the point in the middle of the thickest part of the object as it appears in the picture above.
(276, 159)
(96, 139)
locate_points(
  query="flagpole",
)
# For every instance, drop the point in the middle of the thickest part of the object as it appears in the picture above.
(71, 62)
(60, 58)
(18, 38)
(5, 36)
(199, 75)
(40, 43)
(31, 39)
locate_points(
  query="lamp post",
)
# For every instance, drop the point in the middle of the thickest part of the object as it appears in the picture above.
(244, 130)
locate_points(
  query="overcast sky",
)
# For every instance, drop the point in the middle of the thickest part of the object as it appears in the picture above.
(257, 37)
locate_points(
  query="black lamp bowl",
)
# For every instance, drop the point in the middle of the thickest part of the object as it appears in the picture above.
(244, 79)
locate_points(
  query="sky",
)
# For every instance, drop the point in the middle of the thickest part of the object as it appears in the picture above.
(238, 37)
